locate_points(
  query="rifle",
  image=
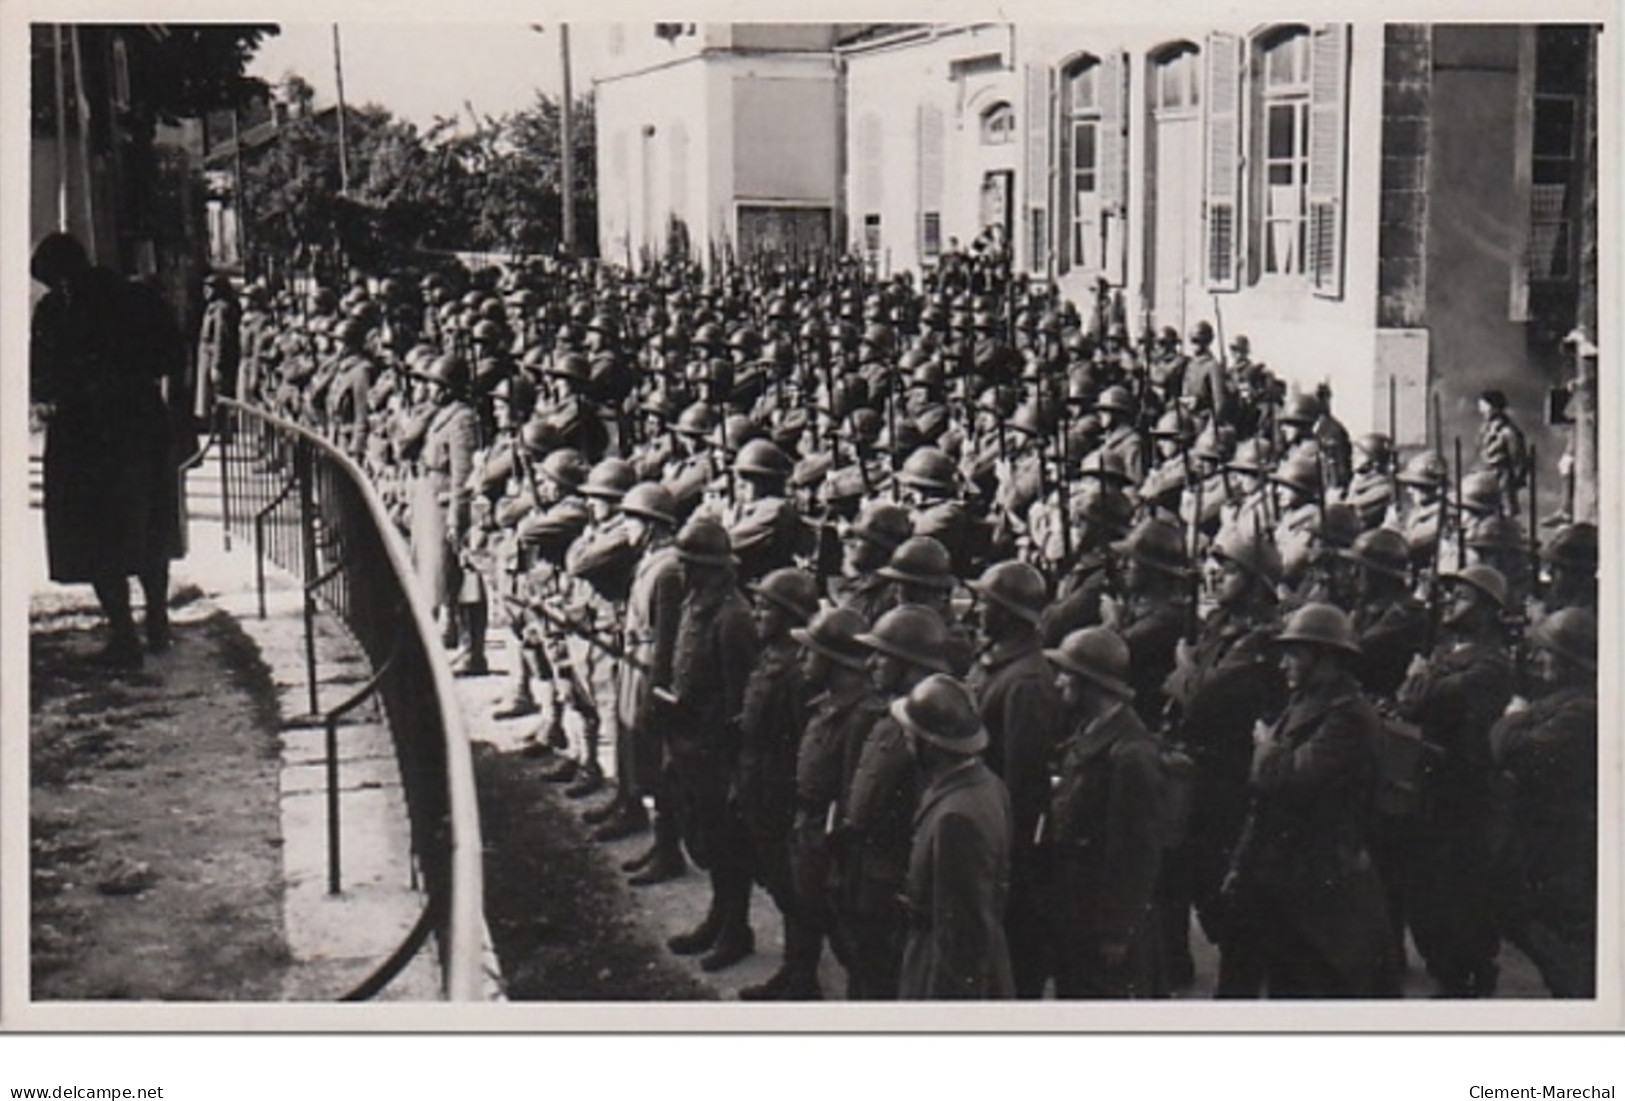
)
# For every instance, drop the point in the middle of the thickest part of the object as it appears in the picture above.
(557, 622)
(1461, 534)
(1534, 537)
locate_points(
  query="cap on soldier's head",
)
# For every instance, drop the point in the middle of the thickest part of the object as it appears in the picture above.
(651, 501)
(941, 711)
(1097, 654)
(920, 560)
(1382, 550)
(792, 590)
(1570, 633)
(610, 479)
(704, 542)
(1323, 625)
(1483, 579)
(834, 634)
(911, 633)
(1015, 586)
(884, 524)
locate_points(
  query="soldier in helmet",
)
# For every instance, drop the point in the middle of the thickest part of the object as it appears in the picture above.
(764, 781)
(1328, 578)
(866, 548)
(1020, 709)
(1332, 439)
(1371, 490)
(1390, 623)
(959, 859)
(763, 526)
(923, 576)
(690, 471)
(1297, 420)
(1571, 565)
(840, 714)
(1122, 439)
(1249, 504)
(1152, 610)
(573, 417)
(653, 611)
(1455, 694)
(716, 649)
(875, 825)
(1104, 515)
(1423, 519)
(1302, 876)
(1546, 753)
(1207, 386)
(1221, 686)
(1165, 485)
(1299, 504)
(1165, 373)
(930, 483)
(442, 509)
(1102, 826)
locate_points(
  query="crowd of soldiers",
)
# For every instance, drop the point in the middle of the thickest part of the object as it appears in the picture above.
(991, 641)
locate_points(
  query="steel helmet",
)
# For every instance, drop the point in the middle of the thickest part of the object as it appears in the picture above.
(1320, 625)
(929, 468)
(1301, 409)
(1299, 472)
(941, 710)
(651, 501)
(704, 542)
(1570, 633)
(565, 468)
(760, 458)
(538, 436)
(791, 589)
(1426, 468)
(1158, 544)
(1255, 554)
(1375, 445)
(834, 633)
(1485, 579)
(1251, 457)
(1015, 586)
(1097, 654)
(884, 524)
(920, 560)
(1574, 546)
(697, 420)
(1116, 398)
(1381, 549)
(1201, 333)
(610, 479)
(1481, 492)
(1171, 426)
(912, 633)
(1338, 525)
(572, 366)
(450, 372)
(1496, 533)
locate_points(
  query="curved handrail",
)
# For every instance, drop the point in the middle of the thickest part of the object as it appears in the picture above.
(464, 943)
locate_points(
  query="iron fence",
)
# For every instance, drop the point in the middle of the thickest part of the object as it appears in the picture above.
(308, 509)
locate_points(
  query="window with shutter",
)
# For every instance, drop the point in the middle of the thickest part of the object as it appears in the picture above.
(1113, 164)
(1079, 213)
(1223, 176)
(1328, 114)
(1038, 114)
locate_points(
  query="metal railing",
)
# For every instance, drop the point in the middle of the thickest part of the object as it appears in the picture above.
(311, 511)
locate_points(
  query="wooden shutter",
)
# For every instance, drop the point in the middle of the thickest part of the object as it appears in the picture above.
(1328, 126)
(1222, 216)
(1037, 113)
(929, 138)
(1112, 165)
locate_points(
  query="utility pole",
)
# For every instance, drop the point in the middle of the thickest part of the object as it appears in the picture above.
(344, 148)
(566, 134)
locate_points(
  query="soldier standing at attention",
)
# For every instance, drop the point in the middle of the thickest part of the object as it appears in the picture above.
(959, 859)
(1302, 874)
(873, 837)
(716, 649)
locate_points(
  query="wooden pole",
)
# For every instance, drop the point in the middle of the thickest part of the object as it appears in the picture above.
(566, 138)
(344, 147)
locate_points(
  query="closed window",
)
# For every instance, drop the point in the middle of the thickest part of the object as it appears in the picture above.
(1082, 134)
(1285, 65)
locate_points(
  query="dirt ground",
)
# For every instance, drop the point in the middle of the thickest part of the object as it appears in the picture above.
(556, 909)
(155, 836)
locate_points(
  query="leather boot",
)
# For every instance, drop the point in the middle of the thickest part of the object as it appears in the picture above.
(730, 891)
(698, 939)
(664, 860)
(158, 634)
(732, 945)
(516, 708)
(589, 781)
(597, 816)
(561, 771)
(642, 860)
(625, 824)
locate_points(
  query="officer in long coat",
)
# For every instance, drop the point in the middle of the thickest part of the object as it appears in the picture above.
(1103, 827)
(1303, 874)
(959, 857)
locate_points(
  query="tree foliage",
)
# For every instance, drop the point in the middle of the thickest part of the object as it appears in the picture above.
(494, 187)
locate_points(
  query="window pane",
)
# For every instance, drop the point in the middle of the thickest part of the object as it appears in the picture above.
(1278, 63)
(1194, 72)
(1083, 146)
(1086, 182)
(1554, 127)
(1280, 129)
(1280, 174)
